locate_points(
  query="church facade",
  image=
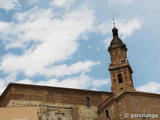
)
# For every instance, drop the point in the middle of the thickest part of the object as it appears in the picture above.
(35, 102)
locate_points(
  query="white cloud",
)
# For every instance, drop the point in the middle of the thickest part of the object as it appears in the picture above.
(2, 86)
(11, 77)
(62, 3)
(56, 38)
(59, 3)
(25, 81)
(4, 82)
(105, 27)
(89, 47)
(99, 83)
(8, 4)
(63, 69)
(32, 1)
(125, 27)
(120, 1)
(126, 1)
(82, 81)
(153, 87)
(107, 41)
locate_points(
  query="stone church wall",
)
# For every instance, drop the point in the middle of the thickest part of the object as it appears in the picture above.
(18, 113)
(69, 104)
(59, 110)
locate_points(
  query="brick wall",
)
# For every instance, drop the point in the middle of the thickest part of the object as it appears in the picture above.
(132, 103)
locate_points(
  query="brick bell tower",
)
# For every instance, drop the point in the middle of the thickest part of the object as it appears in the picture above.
(120, 69)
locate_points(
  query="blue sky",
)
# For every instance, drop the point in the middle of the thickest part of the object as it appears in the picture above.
(64, 42)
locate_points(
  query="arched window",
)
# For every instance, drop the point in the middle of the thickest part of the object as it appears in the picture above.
(120, 78)
(107, 113)
(87, 101)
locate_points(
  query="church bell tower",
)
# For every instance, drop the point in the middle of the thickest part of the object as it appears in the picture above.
(120, 69)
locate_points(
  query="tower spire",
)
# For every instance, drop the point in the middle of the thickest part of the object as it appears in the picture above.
(120, 69)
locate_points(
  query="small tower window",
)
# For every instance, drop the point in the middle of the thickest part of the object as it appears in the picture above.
(87, 101)
(120, 78)
(123, 61)
(107, 113)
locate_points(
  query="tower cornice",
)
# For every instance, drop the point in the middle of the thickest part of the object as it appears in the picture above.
(113, 47)
(113, 67)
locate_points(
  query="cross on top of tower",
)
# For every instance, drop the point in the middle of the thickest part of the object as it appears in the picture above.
(113, 23)
(114, 30)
